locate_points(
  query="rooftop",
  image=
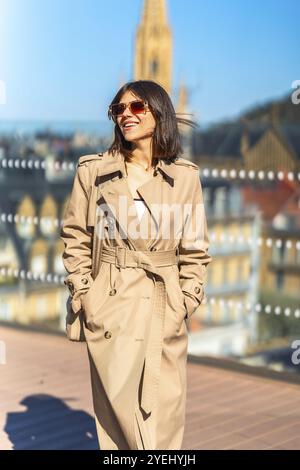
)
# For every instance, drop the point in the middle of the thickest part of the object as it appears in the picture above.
(45, 401)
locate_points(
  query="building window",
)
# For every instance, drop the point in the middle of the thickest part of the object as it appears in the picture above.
(39, 264)
(154, 67)
(225, 313)
(240, 270)
(279, 253)
(225, 271)
(58, 265)
(220, 202)
(279, 279)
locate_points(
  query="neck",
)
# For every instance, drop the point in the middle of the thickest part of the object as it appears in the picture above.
(142, 152)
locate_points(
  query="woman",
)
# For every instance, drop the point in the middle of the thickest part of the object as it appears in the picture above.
(136, 268)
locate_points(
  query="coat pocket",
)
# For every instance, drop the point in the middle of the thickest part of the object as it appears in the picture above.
(95, 297)
(180, 298)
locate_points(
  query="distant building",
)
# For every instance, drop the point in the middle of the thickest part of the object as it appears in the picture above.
(153, 45)
(31, 208)
(223, 324)
(270, 266)
(153, 60)
(249, 146)
(279, 275)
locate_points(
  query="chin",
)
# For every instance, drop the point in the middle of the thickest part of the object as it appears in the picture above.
(137, 137)
(133, 138)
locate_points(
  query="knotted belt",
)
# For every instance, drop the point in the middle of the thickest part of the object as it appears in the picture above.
(150, 261)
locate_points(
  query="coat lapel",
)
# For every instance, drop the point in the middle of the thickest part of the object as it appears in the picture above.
(115, 191)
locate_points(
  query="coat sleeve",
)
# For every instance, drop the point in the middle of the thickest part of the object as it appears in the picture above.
(77, 239)
(193, 249)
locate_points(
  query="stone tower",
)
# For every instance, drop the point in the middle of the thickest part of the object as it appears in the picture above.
(153, 46)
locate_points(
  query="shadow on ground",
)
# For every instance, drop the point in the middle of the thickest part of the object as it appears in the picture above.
(49, 423)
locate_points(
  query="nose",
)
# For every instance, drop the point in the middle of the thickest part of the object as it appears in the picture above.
(126, 115)
(127, 110)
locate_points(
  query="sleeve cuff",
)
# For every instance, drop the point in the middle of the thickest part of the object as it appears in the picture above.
(78, 282)
(193, 294)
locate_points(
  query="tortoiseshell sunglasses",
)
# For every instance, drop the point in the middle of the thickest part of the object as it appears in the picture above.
(136, 107)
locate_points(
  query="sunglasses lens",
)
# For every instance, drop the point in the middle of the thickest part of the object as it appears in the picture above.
(137, 107)
(117, 109)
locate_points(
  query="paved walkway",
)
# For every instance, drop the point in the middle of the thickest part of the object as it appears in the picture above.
(45, 401)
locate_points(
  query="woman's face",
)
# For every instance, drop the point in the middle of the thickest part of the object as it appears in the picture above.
(144, 123)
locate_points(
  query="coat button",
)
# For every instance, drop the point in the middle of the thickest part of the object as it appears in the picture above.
(107, 334)
(84, 280)
(197, 290)
(153, 249)
(113, 292)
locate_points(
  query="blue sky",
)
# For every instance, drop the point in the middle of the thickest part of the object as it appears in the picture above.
(64, 59)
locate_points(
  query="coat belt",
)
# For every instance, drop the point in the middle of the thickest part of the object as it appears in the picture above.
(151, 261)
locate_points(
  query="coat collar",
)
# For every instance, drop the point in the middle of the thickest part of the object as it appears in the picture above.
(116, 163)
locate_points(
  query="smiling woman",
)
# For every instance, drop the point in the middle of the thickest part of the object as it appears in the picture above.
(135, 303)
(146, 129)
(154, 131)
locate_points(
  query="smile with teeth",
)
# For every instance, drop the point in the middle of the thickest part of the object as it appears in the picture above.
(130, 124)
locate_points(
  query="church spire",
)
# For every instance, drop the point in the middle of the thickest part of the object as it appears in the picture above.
(154, 12)
(153, 47)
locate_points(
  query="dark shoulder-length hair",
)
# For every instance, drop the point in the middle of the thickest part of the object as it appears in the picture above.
(166, 139)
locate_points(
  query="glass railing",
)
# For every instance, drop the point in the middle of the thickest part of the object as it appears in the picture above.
(251, 309)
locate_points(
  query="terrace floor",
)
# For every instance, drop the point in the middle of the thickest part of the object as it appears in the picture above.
(45, 401)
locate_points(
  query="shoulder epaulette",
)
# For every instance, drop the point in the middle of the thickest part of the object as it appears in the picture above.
(89, 158)
(185, 162)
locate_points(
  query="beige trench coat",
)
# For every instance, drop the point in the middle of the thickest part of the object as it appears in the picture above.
(136, 301)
